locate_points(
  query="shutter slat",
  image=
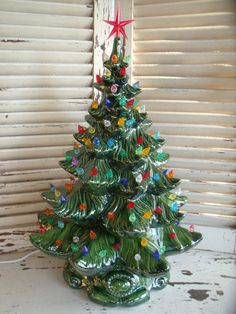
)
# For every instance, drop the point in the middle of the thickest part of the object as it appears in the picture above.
(29, 153)
(190, 70)
(181, 7)
(15, 81)
(206, 175)
(189, 106)
(46, 8)
(188, 94)
(45, 32)
(186, 33)
(44, 105)
(212, 198)
(45, 56)
(18, 220)
(185, 45)
(21, 18)
(202, 153)
(186, 82)
(18, 209)
(21, 187)
(214, 209)
(33, 175)
(216, 187)
(185, 58)
(195, 130)
(214, 165)
(187, 20)
(45, 93)
(34, 44)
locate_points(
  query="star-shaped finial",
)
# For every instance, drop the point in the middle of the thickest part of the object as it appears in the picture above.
(118, 26)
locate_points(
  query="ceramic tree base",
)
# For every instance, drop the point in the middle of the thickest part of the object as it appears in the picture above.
(116, 287)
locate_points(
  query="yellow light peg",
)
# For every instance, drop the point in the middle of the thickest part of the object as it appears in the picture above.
(144, 242)
(146, 151)
(121, 122)
(91, 130)
(172, 197)
(107, 73)
(94, 105)
(147, 215)
(170, 174)
(57, 193)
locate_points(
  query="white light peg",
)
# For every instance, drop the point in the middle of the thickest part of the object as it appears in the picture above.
(142, 109)
(107, 123)
(139, 178)
(137, 257)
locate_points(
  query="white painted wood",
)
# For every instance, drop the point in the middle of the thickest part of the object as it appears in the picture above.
(186, 33)
(200, 282)
(190, 70)
(185, 45)
(184, 58)
(46, 63)
(179, 7)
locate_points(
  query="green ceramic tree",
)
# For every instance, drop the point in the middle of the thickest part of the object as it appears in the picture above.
(119, 215)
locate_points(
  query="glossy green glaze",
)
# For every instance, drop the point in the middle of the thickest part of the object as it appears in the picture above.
(119, 216)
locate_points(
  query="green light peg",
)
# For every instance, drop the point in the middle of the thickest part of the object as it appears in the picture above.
(122, 153)
(74, 247)
(127, 59)
(132, 217)
(122, 101)
(139, 150)
(102, 253)
(109, 174)
(68, 157)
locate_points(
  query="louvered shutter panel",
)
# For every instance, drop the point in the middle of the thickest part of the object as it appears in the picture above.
(46, 74)
(184, 57)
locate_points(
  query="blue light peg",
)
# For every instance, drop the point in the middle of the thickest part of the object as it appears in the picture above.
(124, 181)
(110, 142)
(156, 176)
(174, 207)
(136, 85)
(60, 224)
(63, 199)
(165, 171)
(130, 122)
(79, 170)
(108, 103)
(96, 141)
(84, 250)
(52, 187)
(156, 255)
(156, 135)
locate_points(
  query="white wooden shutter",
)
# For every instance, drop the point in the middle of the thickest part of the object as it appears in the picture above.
(46, 72)
(184, 57)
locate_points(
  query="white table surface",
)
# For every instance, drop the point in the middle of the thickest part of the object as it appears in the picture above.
(201, 282)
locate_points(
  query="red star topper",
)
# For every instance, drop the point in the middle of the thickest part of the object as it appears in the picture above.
(118, 26)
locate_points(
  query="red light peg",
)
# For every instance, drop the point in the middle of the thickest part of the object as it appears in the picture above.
(140, 140)
(47, 211)
(146, 175)
(116, 246)
(72, 179)
(81, 129)
(98, 79)
(92, 235)
(68, 186)
(130, 205)
(58, 242)
(172, 235)
(42, 229)
(111, 215)
(94, 172)
(130, 102)
(122, 71)
(158, 210)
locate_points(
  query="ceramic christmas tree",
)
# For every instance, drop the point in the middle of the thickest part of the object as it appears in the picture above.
(118, 217)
